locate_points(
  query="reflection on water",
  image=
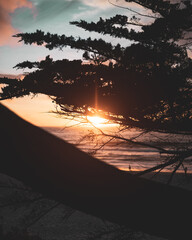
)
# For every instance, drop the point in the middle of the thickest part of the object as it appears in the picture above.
(123, 155)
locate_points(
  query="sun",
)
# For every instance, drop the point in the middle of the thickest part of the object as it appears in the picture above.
(96, 120)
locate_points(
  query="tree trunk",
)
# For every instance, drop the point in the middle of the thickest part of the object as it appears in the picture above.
(62, 172)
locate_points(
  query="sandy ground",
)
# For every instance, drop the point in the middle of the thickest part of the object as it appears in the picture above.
(22, 210)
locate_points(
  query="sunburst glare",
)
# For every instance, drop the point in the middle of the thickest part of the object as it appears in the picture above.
(96, 120)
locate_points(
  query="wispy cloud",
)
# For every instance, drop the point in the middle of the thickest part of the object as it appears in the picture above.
(86, 13)
(6, 8)
(97, 3)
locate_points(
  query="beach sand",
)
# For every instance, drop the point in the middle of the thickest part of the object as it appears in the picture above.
(27, 211)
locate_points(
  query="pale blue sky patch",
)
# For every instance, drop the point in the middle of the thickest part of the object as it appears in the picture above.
(53, 16)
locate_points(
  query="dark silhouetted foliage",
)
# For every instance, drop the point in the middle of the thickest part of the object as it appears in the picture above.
(147, 81)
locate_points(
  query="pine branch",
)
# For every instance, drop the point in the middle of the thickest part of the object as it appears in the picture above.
(51, 41)
(108, 27)
(27, 64)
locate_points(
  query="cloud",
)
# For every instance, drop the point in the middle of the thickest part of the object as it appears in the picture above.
(6, 8)
(87, 13)
(97, 3)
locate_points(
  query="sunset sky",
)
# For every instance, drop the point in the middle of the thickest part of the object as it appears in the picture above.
(53, 16)
(46, 15)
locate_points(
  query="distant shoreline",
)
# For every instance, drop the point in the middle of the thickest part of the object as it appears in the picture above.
(11, 75)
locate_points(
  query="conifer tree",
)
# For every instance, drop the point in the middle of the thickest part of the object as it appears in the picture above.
(145, 83)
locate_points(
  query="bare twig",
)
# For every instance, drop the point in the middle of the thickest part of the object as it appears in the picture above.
(103, 145)
(160, 166)
(174, 171)
(179, 157)
(131, 10)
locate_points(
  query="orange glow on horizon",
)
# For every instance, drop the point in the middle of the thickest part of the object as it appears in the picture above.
(37, 110)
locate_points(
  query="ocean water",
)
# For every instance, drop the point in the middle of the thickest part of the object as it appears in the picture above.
(122, 154)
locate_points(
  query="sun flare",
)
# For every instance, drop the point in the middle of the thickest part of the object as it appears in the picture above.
(95, 120)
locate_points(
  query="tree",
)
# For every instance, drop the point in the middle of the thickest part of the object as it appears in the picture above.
(145, 84)
(152, 73)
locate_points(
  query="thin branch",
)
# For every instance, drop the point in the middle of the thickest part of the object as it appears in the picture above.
(160, 166)
(131, 10)
(179, 157)
(139, 135)
(102, 145)
(174, 171)
(157, 172)
(161, 150)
